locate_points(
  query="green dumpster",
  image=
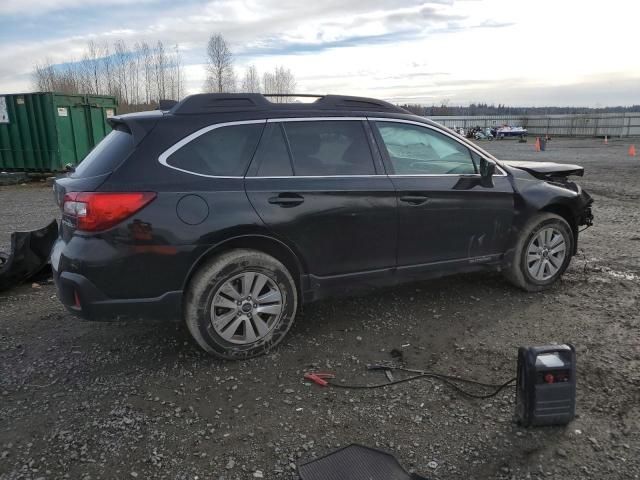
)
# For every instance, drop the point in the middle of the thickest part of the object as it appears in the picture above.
(43, 132)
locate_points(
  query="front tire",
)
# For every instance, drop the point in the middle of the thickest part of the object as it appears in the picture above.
(240, 304)
(542, 253)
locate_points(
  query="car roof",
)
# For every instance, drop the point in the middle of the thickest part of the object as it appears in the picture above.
(247, 106)
(207, 103)
(233, 107)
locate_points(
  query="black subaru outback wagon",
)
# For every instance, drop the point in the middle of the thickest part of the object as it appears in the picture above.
(232, 211)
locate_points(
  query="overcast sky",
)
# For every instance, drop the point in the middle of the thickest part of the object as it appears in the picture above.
(518, 52)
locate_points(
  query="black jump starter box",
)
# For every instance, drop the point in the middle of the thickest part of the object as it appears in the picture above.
(546, 385)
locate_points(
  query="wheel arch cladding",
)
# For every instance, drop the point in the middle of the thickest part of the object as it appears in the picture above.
(260, 243)
(566, 213)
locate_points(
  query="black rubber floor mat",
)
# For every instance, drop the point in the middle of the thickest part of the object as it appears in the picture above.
(355, 462)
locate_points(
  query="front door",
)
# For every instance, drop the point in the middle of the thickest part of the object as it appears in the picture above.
(445, 214)
(316, 185)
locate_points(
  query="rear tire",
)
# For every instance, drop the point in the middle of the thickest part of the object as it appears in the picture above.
(240, 304)
(542, 253)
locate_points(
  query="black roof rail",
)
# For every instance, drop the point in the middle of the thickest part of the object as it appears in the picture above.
(165, 104)
(358, 103)
(293, 95)
(203, 103)
(221, 103)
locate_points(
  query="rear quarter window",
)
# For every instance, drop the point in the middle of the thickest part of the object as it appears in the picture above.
(106, 156)
(223, 151)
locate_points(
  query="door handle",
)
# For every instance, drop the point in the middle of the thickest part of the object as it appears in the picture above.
(414, 199)
(287, 200)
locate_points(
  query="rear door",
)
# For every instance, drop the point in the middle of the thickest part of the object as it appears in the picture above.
(445, 214)
(318, 185)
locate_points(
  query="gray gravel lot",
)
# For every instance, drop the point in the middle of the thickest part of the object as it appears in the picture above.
(137, 399)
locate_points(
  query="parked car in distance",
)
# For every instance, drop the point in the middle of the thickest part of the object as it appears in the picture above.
(233, 211)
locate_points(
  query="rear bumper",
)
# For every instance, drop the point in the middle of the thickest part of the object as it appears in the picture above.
(84, 299)
(104, 276)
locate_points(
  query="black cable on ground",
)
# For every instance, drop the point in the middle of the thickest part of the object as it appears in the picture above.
(442, 375)
(446, 379)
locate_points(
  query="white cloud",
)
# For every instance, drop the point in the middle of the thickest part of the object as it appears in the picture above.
(38, 7)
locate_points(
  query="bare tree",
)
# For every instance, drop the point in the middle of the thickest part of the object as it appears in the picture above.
(49, 77)
(93, 57)
(160, 67)
(68, 79)
(162, 63)
(134, 73)
(285, 81)
(175, 73)
(121, 63)
(251, 80)
(44, 76)
(268, 83)
(84, 73)
(280, 82)
(220, 74)
(139, 76)
(147, 65)
(107, 66)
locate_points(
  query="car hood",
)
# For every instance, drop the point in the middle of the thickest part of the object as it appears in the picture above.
(546, 169)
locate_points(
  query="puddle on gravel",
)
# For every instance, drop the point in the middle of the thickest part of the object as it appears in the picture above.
(617, 274)
(595, 266)
(622, 275)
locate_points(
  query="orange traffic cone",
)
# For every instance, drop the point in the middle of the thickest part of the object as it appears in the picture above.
(632, 151)
(537, 144)
(606, 140)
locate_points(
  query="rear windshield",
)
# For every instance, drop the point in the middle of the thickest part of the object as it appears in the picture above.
(106, 156)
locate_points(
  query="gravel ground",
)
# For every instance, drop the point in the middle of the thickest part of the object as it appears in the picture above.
(137, 399)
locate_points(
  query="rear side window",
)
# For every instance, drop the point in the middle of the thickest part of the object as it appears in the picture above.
(106, 156)
(272, 156)
(329, 147)
(224, 151)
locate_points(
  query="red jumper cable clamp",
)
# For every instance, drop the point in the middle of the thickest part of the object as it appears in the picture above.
(319, 377)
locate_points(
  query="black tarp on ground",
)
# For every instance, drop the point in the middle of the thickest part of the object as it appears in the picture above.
(29, 255)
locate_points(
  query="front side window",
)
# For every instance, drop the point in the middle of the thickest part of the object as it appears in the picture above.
(329, 147)
(415, 150)
(224, 151)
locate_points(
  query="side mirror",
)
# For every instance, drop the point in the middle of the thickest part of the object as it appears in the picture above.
(487, 170)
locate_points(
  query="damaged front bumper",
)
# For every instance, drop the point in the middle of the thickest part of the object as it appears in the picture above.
(29, 255)
(585, 217)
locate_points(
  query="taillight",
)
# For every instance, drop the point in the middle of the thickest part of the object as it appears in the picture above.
(95, 211)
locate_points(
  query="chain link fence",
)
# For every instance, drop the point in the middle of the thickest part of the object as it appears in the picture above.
(578, 125)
